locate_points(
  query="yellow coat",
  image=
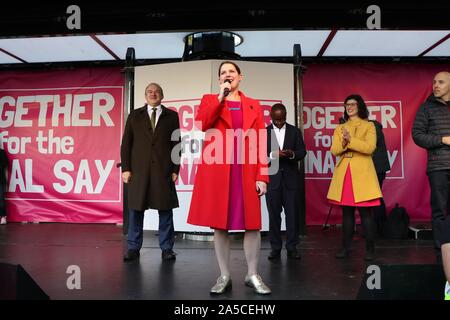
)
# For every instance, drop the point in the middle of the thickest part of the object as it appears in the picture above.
(357, 154)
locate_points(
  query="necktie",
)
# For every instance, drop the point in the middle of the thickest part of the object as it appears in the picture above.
(153, 119)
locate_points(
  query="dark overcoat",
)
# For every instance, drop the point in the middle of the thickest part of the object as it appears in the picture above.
(148, 155)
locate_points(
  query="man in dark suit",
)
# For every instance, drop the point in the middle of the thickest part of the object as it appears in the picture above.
(151, 168)
(286, 148)
(381, 161)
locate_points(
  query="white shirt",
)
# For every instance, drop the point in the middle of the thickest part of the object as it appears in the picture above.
(280, 134)
(158, 112)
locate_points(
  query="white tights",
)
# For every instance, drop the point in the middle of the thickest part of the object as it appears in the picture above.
(252, 246)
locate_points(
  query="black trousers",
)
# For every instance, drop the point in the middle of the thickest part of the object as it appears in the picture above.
(443, 227)
(2, 199)
(276, 200)
(440, 198)
(348, 226)
(379, 212)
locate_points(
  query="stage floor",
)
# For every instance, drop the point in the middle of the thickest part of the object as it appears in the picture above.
(46, 250)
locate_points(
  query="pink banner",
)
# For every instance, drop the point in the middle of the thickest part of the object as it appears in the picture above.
(61, 131)
(393, 93)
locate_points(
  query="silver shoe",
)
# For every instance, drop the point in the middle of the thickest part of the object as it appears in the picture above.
(256, 283)
(222, 284)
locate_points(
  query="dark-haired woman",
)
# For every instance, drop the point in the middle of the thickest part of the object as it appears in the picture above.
(228, 185)
(355, 183)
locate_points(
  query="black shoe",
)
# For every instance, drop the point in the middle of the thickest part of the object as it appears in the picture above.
(293, 254)
(131, 255)
(274, 254)
(369, 256)
(168, 255)
(370, 250)
(344, 253)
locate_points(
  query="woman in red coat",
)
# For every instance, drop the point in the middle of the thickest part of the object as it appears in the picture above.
(232, 174)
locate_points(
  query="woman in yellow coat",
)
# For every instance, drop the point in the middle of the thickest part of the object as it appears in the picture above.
(355, 183)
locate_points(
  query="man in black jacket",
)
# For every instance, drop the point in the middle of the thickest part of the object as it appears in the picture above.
(431, 130)
(286, 148)
(381, 161)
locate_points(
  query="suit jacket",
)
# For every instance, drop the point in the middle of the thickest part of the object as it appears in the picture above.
(287, 172)
(147, 155)
(358, 155)
(209, 204)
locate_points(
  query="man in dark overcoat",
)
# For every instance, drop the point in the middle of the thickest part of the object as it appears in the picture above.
(150, 160)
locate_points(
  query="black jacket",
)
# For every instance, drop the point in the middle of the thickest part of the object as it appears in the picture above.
(432, 122)
(287, 172)
(380, 156)
(3, 184)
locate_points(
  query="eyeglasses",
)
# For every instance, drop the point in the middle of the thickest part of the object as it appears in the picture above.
(351, 104)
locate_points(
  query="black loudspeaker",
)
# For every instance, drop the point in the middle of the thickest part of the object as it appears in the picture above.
(405, 282)
(210, 45)
(16, 284)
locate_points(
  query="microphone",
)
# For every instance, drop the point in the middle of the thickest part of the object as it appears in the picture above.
(226, 91)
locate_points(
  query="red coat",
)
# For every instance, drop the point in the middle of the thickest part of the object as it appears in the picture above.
(209, 204)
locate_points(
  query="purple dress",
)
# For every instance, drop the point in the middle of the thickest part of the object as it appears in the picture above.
(236, 194)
